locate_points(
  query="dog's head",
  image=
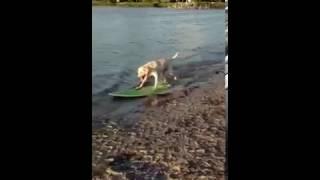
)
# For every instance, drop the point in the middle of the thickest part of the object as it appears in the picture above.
(142, 71)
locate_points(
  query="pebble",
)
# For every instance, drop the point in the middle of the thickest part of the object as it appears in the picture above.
(158, 157)
(113, 123)
(168, 156)
(105, 136)
(109, 160)
(154, 102)
(109, 147)
(174, 175)
(206, 164)
(110, 171)
(202, 177)
(143, 151)
(98, 153)
(164, 163)
(148, 157)
(99, 140)
(132, 133)
(200, 151)
(176, 168)
(220, 168)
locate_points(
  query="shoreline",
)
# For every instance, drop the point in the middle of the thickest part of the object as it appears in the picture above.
(189, 74)
(179, 5)
(177, 136)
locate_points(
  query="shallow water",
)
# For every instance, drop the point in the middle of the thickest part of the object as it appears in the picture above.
(125, 38)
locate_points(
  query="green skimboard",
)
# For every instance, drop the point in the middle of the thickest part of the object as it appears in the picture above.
(144, 91)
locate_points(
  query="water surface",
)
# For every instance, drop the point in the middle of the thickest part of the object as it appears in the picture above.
(125, 38)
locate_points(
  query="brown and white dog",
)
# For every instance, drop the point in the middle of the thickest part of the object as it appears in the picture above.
(159, 69)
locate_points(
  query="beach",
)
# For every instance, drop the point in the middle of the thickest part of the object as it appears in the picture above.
(181, 135)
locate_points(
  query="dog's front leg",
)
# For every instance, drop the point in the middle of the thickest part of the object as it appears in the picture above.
(140, 81)
(144, 80)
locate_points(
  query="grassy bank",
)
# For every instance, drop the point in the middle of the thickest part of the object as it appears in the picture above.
(194, 5)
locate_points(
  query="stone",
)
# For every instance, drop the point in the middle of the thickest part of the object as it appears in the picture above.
(109, 160)
(111, 172)
(200, 151)
(176, 168)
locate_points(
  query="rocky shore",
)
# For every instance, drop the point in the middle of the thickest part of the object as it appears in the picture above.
(178, 136)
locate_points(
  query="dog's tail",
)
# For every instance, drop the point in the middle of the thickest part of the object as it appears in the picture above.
(175, 56)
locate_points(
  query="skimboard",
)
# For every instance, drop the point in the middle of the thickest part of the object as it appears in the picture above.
(144, 91)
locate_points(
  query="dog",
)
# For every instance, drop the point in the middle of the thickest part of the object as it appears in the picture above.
(159, 69)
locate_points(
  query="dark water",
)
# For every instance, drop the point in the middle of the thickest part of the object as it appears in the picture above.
(125, 38)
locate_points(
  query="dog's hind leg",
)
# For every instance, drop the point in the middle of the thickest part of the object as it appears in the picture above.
(163, 78)
(156, 79)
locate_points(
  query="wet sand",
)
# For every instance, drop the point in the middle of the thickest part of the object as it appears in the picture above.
(176, 136)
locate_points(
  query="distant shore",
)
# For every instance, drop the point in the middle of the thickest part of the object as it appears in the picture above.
(178, 5)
